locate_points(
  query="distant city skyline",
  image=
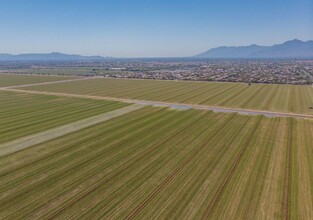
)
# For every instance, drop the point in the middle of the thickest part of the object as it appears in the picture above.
(147, 28)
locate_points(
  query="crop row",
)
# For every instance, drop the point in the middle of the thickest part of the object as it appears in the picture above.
(24, 114)
(56, 71)
(285, 98)
(156, 163)
(14, 80)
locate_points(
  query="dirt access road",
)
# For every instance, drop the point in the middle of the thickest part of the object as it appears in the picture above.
(41, 137)
(166, 104)
(47, 83)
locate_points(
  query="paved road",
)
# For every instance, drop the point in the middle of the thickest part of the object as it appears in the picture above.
(172, 105)
(41, 137)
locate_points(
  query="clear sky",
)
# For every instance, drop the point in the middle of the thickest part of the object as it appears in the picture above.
(149, 28)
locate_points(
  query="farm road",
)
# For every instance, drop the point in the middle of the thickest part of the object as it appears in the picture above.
(41, 137)
(47, 83)
(180, 106)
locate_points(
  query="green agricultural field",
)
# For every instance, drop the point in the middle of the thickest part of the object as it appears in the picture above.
(25, 114)
(281, 98)
(14, 79)
(66, 71)
(157, 163)
(57, 71)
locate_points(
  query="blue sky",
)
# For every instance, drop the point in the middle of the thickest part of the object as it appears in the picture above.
(149, 28)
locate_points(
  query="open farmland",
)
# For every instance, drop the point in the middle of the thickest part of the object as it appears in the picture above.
(65, 157)
(55, 71)
(25, 114)
(277, 98)
(157, 163)
(14, 80)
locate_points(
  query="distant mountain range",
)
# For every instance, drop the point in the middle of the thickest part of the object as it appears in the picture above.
(47, 57)
(290, 49)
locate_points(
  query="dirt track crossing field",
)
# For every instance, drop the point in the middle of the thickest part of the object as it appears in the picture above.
(26, 114)
(56, 81)
(34, 139)
(261, 97)
(78, 156)
(160, 163)
(171, 105)
(7, 80)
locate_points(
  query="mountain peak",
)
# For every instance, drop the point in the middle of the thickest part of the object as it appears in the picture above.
(290, 49)
(56, 53)
(294, 41)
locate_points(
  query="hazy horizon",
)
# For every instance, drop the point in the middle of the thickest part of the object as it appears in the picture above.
(148, 28)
